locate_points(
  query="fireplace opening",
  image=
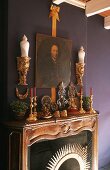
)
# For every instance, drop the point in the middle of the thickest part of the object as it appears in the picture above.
(70, 164)
(58, 154)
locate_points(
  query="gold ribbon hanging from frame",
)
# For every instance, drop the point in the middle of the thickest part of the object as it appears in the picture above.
(54, 13)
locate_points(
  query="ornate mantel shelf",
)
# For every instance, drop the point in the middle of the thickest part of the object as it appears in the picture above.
(29, 133)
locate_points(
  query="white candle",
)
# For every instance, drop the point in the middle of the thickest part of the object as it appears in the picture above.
(81, 55)
(24, 44)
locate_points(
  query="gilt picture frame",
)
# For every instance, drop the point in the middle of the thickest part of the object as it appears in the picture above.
(53, 61)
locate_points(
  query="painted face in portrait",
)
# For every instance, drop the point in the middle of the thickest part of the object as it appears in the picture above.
(54, 52)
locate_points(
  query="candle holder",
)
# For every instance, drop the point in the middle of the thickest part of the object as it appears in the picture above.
(31, 117)
(81, 105)
(91, 105)
(80, 73)
(35, 105)
(23, 67)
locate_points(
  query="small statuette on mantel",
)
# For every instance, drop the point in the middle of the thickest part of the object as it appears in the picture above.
(72, 99)
(24, 44)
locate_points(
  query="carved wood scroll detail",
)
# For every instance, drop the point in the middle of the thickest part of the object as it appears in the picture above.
(60, 129)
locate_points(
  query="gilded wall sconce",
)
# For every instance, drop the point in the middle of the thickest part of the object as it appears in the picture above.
(80, 66)
(23, 62)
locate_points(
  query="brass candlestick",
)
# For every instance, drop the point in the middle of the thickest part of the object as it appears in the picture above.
(81, 105)
(80, 73)
(35, 105)
(91, 105)
(31, 115)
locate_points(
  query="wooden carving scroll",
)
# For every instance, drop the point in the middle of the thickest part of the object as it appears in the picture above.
(60, 129)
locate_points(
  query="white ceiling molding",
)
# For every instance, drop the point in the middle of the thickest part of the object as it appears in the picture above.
(95, 7)
(57, 2)
(107, 22)
(77, 3)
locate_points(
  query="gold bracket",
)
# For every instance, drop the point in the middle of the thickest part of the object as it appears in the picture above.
(80, 73)
(23, 64)
(54, 10)
(22, 96)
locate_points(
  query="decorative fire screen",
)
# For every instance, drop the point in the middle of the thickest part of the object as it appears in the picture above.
(75, 151)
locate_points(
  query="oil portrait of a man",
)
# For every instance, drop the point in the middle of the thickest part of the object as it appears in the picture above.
(53, 58)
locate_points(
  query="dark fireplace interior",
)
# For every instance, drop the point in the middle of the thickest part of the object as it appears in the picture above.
(40, 153)
(70, 164)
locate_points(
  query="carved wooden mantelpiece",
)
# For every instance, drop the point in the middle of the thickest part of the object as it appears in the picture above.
(29, 133)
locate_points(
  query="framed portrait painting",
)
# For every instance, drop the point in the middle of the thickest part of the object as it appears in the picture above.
(53, 61)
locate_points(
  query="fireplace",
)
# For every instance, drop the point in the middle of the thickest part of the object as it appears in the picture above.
(62, 154)
(60, 144)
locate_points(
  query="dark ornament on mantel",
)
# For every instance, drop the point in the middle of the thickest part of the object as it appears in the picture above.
(72, 98)
(62, 101)
(54, 107)
(46, 106)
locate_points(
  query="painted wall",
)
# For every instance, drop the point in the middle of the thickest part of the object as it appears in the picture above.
(25, 17)
(31, 17)
(98, 70)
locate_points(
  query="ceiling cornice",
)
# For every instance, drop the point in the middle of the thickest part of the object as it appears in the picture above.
(92, 7)
(96, 6)
(107, 22)
(77, 3)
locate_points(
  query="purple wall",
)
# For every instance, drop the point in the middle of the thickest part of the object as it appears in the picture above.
(35, 19)
(31, 17)
(98, 69)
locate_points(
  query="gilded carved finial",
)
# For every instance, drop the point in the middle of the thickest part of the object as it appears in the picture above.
(54, 13)
(54, 10)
